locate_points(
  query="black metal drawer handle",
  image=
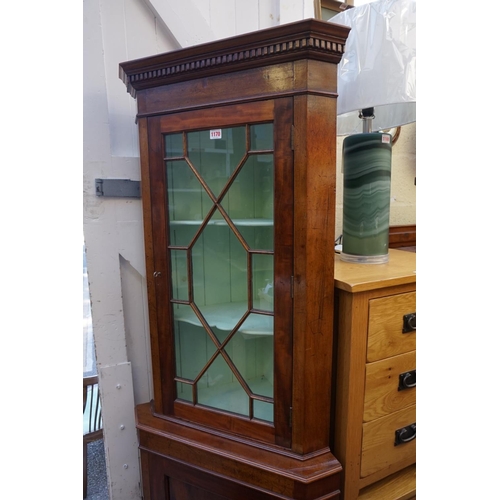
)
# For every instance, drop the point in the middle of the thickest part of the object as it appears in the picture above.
(409, 322)
(406, 434)
(407, 380)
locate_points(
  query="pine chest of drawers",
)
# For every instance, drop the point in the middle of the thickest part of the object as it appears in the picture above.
(374, 434)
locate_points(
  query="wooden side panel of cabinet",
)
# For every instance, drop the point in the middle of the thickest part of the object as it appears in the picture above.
(352, 317)
(147, 210)
(314, 235)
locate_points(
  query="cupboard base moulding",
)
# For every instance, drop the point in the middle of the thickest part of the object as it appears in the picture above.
(185, 462)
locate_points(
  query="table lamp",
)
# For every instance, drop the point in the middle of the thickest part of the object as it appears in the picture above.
(376, 92)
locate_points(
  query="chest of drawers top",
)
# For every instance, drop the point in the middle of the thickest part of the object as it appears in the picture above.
(400, 270)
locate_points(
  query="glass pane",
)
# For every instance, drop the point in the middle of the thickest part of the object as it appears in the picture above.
(193, 346)
(220, 274)
(188, 203)
(249, 202)
(261, 137)
(263, 410)
(178, 262)
(220, 259)
(220, 389)
(185, 391)
(173, 145)
(262, 281)
(216, 154)
(251, 194)
(252, 352)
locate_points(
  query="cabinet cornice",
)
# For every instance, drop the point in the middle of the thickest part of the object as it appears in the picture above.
(311, 38)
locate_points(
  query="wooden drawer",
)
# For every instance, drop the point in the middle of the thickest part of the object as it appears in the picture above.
(378, 449)
(381, 386)
(399, 486)
(385, 326)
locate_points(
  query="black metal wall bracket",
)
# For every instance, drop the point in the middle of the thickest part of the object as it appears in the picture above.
(118, 188)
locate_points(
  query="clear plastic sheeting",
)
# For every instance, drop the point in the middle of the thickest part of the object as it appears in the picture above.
(378, 68)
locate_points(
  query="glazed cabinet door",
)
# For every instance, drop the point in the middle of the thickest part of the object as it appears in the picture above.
(221, 190)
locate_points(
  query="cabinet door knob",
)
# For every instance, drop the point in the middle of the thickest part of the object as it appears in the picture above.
(409, 322)
(407, 380)
(406, 434)
(156, 274)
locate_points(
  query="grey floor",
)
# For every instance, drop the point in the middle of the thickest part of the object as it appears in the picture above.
(97, 485)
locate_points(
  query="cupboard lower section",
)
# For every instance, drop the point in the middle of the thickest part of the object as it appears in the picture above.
(183, 462)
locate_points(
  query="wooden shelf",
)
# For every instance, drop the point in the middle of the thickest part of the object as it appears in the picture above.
(222, 222)
(225, 316)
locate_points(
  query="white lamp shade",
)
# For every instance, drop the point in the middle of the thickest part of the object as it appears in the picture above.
(378, 68)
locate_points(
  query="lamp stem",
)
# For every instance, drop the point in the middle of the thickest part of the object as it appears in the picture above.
(367, 125)
(367, 115)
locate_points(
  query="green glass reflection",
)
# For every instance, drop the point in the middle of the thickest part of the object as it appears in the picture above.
(179, 267)
(174, 145)
(216, 159)
(219, 388)
(220, 275)
(251, 194)
(188, 202)
(219, 260)
(249, 202)
(185, 391)
(263, 282)
(261, 137)
(263, 410)
(193, 346)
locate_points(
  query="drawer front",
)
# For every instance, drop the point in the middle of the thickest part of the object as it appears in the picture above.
(378, 448)
(389, 385)
(385, 326)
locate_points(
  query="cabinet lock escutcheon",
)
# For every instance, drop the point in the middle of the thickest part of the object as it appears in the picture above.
(409, 322)
(406, 434)
(407, 380)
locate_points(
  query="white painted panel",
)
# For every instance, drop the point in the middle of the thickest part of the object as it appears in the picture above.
(246, 17)
(129, 32)
(203, 7)
(309, 9)
(292, 10)
(95, 114)
(183, 20)
(131, 244)
(269, 13)
(137, 330)
(222, 18)
(142, 33)
(120, 435)
(123, 136)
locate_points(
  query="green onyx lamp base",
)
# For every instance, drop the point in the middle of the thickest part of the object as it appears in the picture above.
(367, 197)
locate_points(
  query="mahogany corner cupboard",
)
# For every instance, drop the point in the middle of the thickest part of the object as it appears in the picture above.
(238, 169)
